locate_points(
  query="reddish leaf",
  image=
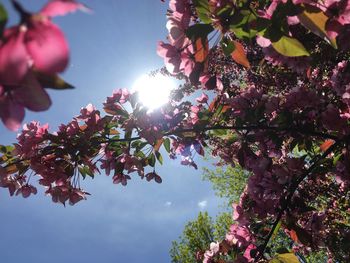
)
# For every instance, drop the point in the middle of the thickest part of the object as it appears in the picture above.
(214, 104)
(239, 55)
(326, 144)
(293, 236)
(158, 144)
(11, 169)
(201, 51)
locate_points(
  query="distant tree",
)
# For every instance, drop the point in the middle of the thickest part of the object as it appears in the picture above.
(196, 236)
(228, 182)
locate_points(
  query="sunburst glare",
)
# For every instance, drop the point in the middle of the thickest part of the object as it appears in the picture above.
(154, 90)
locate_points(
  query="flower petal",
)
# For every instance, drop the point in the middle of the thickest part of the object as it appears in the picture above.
(32, 95)
(47, 47)
(62, 7)
(11, 113)
(13, 57)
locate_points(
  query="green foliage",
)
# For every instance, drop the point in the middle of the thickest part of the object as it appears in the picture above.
(317, 257)
(199, 31)
(290, 47)
(228, 182)
(285, 258)
(202, 8)
(197, 235)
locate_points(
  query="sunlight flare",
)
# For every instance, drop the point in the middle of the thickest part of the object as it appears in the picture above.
(153, 91)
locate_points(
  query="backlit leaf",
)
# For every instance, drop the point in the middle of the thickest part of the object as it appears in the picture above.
(201, 50)
(159, 157)
(290, 47)
(275, 232)
(202, 8)
(167, 144)
(11, 169)
(326, 144)
(199, 31)
(239, 55)
(285, 258)
(157, 145)
(315, 20)
(151, 160)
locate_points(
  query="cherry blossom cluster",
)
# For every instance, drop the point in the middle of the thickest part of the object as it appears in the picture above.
(276, 102)
(286, 115)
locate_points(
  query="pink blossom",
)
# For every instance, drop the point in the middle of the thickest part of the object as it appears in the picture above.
(249, 252)
(176, 28)
(203, 98)
(180, 6)
(121, 178)
(37, 44)
(239, 235)
(30, 138)
(14, 60)
(26, 190)
(62, 7)
(76, 195)
(171, 56)
(153, 175)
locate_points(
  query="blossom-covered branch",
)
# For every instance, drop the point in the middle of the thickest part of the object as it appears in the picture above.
(272, 80)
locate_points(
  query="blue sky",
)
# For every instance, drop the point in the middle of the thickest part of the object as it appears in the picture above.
(109, 50)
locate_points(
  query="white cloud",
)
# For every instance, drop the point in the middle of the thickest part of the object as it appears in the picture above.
(168, 203)
(202, 204)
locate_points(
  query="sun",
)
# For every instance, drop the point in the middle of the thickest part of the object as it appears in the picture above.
(153, 91)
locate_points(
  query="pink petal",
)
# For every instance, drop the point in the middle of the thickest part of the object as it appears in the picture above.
(13, 57)
(47, 47)
(262, 41)
(11, 113)
(62, 7)
(32, 95)
(26, 191)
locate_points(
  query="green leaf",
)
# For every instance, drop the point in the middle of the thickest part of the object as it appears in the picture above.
(199, 31)
(336, 158)
(85, 170)
(3, 18)
(203, 12)
(241, 23)
(128, 134)
(151, 160)
(52, 81)
(275, 232)
(290, 47)
(285, 258)
(219, 132)
(138, 145)
(315, 20)
(159, 157)
(6, 149)
(140, 154)
(166, 144)
(227, 46)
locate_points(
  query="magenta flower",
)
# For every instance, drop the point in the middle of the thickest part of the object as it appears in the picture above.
(171, 55)
(35, 44)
